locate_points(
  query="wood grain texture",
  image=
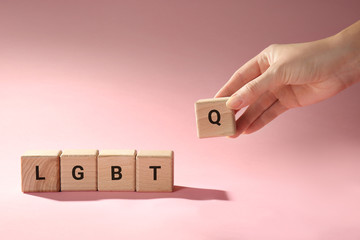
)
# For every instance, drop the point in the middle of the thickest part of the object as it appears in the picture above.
(213, 118)
(48, 164)
(83, 165)
(155, 171)
(122, 177)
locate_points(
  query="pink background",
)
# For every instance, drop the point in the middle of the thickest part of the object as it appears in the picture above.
(126, 74)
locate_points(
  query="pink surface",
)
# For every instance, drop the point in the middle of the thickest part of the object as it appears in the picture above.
(125, 74)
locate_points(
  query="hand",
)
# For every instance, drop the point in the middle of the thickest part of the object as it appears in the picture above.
(282, 77)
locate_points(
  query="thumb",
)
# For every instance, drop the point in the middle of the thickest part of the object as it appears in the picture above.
(251, 91)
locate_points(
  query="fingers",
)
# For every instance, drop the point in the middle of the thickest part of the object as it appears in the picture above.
(253, 112)
(267, 116)
(244, 74)
(252, 90)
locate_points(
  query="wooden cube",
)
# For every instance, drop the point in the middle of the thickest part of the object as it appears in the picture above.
(214, 119)
(116, 170)
(78, 170)
(40, 171)
(155, 171)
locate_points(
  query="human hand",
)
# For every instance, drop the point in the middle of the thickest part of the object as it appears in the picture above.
(286, 76)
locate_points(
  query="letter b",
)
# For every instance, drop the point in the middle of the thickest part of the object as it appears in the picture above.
(116, 173)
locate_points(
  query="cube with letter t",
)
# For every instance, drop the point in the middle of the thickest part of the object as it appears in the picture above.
(214, 119)
(155, 171)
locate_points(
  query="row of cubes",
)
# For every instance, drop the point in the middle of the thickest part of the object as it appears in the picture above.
(93, 170)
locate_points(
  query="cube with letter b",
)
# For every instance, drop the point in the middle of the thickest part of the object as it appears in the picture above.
(116, 170)
(214, 119)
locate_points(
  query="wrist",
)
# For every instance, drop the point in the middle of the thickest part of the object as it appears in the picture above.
(347, 44)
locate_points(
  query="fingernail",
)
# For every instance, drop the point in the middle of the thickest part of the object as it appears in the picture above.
(234, 102)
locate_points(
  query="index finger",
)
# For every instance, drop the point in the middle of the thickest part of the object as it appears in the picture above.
(243, 75)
